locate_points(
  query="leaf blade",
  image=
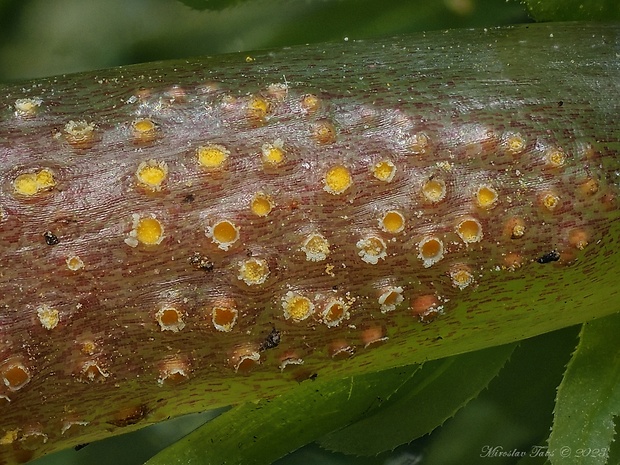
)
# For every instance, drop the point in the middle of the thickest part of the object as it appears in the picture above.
(261, 432)
(588, 397)
(435, 393)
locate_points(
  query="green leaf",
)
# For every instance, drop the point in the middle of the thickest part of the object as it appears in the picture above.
(433, 395)
(514, 412)
(261, 432)
(588, 397)
(574, 10)
(202, 5)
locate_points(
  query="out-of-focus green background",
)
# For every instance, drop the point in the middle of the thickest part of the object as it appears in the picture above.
(43, 37)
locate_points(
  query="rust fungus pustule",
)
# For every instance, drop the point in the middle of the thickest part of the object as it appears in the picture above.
(173, 371)
(324, 132)
(550, 201)
(80, 134)
(48, 316)
(434, 190)
(310, 103)
(144, 130)
(87, 347)
(30, 184)
(555, 158)
(9, 437)
(170, 319)
(15, 375)
(514, 228)
(372, 249)
(74, 263)
(427, 307)
(273, 154)
(341, 350)
(32, 438)
(224, 233)
(337, 179)
(261, 204)
(513, 143)
(244, 359)
(145, 230)
(290, 359)
(151, 174)
(588, 188)
(392, 221)
(224, 316)
(390, 298)
(578, 238)
(258, 108)
(316, 247)
(335, 312)
(418, 144)
(212, 156)
(469, 230)
(384, 170)
(92, 372)
(461, 276)
(27, 107)
(373, 336)
(278, 91)
(486, 197)
(253, 271)
(430, 251)
(513, 261)
(131, 415)
(296, 306)
(69, 426)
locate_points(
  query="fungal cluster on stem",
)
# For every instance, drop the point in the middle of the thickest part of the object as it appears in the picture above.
(205, 230)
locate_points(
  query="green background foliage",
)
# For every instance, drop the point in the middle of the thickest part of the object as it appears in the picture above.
(41, 38)
(515, 412)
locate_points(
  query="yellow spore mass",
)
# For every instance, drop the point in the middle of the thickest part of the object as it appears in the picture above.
(253, 271)
(261, 204)
(337, 180)
(296, 307)
(273, 154)
(149, 231)
(486, 197)
(212, 156)
(224, 233)
(29, 184)
(384, 171)
(152, 174)
(392, 222)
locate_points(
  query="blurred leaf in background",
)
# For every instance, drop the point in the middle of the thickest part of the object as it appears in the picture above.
(39, 38)
(574, 10)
